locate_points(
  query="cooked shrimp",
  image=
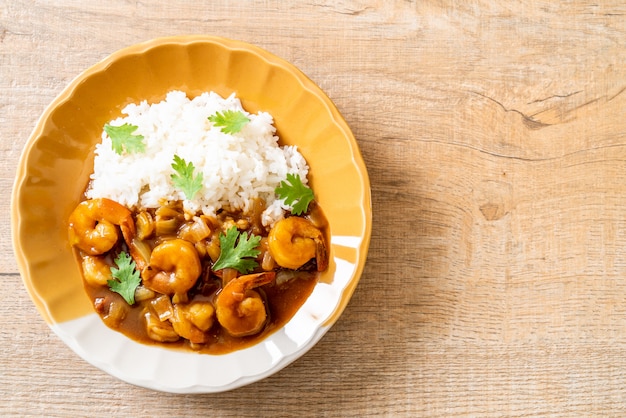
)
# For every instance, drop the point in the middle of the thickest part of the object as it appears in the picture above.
(158, 330)
(191, 321)
(174, 267)
(241, 310)
(96, 271)
(93, 225)
(294, 241)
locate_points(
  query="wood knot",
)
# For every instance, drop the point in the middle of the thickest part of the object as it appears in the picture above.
(492, 211)
(494, 199)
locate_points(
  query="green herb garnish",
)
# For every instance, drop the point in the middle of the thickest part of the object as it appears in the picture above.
(236, 251)
(125, 278)
(295, 194)
(231, 121)
(122, 138)
(184, 178)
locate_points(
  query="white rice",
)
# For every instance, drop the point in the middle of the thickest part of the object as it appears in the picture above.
(236, 168)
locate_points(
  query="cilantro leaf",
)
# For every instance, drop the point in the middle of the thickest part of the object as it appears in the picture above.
(236, 250)
(184, 178)
(295, 194)
(122, 138)
(231, 121)
(125, 278)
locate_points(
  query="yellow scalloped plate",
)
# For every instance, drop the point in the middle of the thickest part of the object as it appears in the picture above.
(58, 158)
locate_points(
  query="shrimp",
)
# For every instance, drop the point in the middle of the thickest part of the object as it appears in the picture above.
(191, 321)
(93, 225)
(174, 267)
(294, 240)
(241, 310)
(158, 330)
(96, 271)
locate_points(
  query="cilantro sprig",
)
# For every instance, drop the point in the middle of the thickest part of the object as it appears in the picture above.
(237, 249)
(184, 177)
(295, 194)
(231, 121)
(123, 139)
(125, 278)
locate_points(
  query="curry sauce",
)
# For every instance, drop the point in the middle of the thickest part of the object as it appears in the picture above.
(192, 317)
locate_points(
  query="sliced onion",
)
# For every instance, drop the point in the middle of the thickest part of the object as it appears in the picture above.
(143, 293)
(267, 262)
(166, 226)
(145, 225)
(116, 314)
(163, 307)
(144, 250)
(213, 249)
(283, 276)
(228, 274)
(180, 298)
(194, 231)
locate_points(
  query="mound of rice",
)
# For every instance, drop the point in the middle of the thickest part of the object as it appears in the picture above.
(236, 167)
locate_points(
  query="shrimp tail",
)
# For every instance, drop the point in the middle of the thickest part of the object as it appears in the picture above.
(251, 281)
(136, 254)
(129, 232)
(321, 255)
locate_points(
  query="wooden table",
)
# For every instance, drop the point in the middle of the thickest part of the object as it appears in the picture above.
(495, 137)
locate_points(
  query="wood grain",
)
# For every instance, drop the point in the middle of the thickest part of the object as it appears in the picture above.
(495, 138)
